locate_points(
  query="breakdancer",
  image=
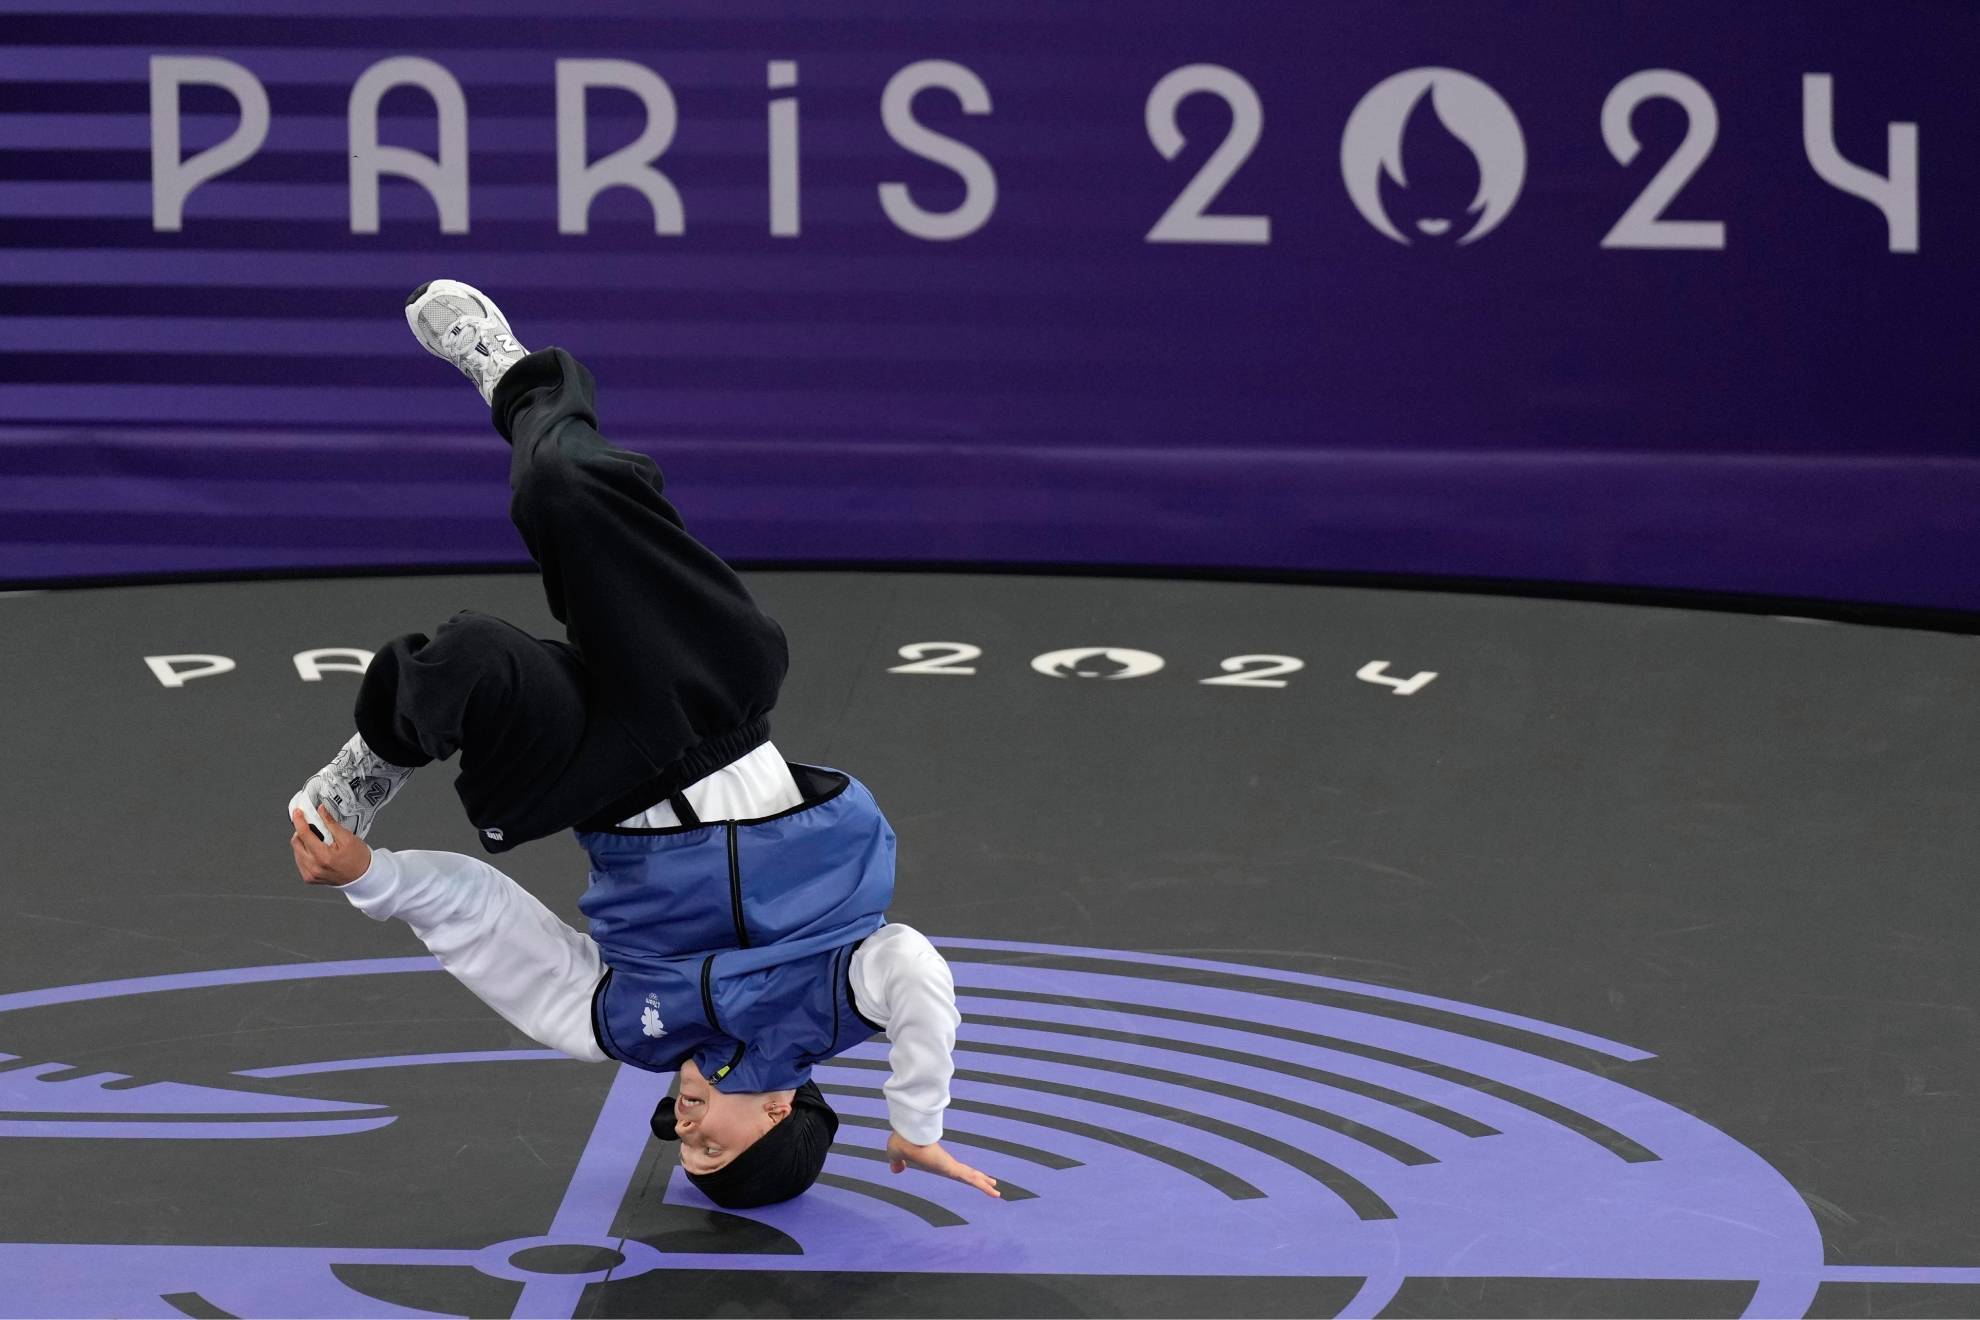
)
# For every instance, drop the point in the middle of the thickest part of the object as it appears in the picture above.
(736, 901)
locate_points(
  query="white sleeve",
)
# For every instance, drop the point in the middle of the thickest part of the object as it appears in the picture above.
(494, 937)
(901, 983)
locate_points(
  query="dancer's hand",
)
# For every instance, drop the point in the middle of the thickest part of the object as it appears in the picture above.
(340, 860)
(901, 1152)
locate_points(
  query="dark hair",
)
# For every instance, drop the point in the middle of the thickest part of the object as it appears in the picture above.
(783, 1162)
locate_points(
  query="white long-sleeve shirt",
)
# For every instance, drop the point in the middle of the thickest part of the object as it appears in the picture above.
(534, 969)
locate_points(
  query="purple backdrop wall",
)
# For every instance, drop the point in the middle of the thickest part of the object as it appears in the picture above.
(1534, 387)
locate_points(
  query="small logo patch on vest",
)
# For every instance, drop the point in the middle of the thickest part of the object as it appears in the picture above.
(649, 1020)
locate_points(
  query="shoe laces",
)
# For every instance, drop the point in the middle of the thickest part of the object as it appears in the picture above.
(463, 334)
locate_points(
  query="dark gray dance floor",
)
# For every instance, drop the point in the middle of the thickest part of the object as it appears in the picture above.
(1625, 967)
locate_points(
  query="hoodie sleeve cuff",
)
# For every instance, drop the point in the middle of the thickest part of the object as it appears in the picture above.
(375, 893)
(913, 1125)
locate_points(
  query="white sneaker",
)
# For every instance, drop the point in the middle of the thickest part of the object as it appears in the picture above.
(463, 325)
(352, 788)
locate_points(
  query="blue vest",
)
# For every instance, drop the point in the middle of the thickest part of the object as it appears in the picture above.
(730, 943)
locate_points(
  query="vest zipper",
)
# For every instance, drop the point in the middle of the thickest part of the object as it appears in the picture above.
(742, 940)
(728, 1067)
(735, 890)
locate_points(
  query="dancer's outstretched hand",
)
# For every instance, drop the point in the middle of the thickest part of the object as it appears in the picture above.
(339, 861)
(901, 1152)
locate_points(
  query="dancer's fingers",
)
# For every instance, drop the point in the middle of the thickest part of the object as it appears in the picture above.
(976, 1178)
(310, 810)
(305, 865)
(307, 837)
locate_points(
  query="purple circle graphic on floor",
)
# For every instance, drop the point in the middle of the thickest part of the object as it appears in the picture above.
(1146, 1114)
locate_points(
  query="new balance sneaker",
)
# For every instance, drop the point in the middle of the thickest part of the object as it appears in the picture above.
(461, 324)
(352, 788)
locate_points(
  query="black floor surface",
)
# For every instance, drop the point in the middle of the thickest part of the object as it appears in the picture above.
(1650, 932)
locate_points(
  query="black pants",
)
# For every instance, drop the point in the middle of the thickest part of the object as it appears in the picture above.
(670, 669)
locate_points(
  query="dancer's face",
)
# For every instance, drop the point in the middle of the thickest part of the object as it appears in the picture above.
(715, 1127)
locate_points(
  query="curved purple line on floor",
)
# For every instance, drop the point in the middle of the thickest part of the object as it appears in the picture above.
(1232, 1091)
(401, 1061)
(65, 994)
(147, 985)
(607, 1156)
(191, 1131)
(1600, 1044)
(1375, 1293)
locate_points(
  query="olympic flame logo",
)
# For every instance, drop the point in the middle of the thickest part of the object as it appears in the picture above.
(1470, 111)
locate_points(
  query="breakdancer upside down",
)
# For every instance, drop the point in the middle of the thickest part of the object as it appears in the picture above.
(736, 902)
